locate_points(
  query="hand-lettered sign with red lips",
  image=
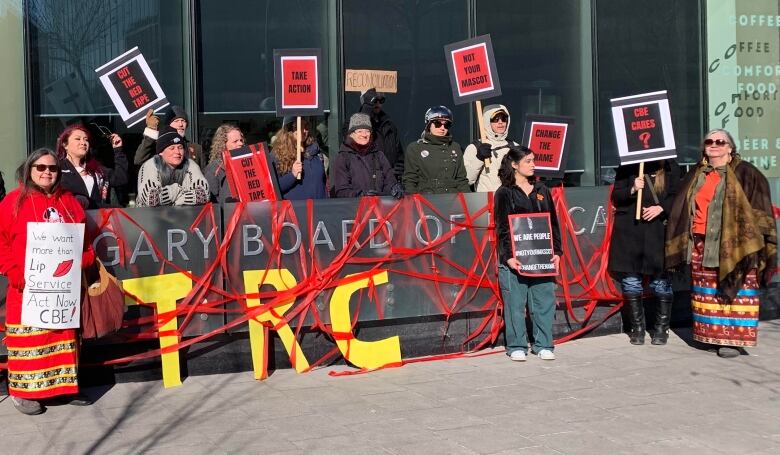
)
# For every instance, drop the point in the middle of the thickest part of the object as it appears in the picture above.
(547, 137)
(300, 88)
(472, 69)
(132, 87)
(643, 128)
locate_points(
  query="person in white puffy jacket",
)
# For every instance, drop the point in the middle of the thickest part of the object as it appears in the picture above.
(482, 177)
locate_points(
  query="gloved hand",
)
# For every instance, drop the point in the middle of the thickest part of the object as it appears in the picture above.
(16, 278)
(484, 151)
(152, 121)
(397, 191)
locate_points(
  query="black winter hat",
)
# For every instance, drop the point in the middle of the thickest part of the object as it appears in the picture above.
(173, 112)
(169, 136)
(371, 96)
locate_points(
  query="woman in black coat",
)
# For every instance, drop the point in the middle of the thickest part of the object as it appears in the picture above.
(637, 249)
(82, 174)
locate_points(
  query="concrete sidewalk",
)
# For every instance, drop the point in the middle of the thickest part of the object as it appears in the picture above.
(602, 396)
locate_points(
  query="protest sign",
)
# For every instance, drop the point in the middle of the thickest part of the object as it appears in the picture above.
(362, 80)
(52, 293)
(250, 175)
(300, 82)
(547, 136)
(643, 128)
(472, 69)
(132, 87)
(532, 243)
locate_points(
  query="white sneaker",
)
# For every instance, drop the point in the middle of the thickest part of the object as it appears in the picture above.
(517, 356)
(546, 354)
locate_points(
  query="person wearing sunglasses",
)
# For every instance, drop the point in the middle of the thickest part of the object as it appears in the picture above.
(723, 225)
(434, 163)
(635, 252)
(385, 132)
(483, 177)
(91, 182)
(41, 362)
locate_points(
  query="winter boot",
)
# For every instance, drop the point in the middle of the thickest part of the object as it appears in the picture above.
(636, 316)
(663, 315)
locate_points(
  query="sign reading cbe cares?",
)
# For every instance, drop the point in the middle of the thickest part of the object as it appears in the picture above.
(51, 298)
(132, 87)
(643, 128)
(532, 243)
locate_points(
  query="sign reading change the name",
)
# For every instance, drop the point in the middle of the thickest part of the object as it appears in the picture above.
(546, 135)
(472, 69)
(643, 128)
(532, 243)
(130, 84)
(300, 86)
(52, 274)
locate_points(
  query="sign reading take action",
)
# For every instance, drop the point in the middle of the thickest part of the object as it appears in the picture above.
(300, 87)
(532, 243)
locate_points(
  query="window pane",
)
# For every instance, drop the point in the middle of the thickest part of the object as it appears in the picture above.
(408, 37)
(648, 46)
(69, 39)
(237, 42)
(544, 61)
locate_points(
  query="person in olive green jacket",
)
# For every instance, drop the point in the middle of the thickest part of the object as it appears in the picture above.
(434, 164)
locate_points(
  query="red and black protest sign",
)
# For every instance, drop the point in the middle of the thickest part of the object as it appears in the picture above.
(547, 137)
(472, 69)
(131, 85)
(532, 243)
(300, 82)
(643, 127)
(250, 174)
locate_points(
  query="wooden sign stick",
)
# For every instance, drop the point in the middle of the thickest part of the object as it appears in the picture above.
(639, 192)
(481, 124)
(298, 141)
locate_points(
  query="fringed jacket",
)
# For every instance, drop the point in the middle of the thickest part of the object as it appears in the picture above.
(747, 236)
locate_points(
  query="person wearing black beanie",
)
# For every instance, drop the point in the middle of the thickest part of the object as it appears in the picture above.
(175, 117)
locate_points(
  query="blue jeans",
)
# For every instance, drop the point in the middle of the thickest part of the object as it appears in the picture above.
(539, 294)
(632, 285)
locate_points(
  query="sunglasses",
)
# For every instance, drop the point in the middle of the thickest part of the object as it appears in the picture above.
(718, 142)
(440, 123)
(43, 167)
(499, 118)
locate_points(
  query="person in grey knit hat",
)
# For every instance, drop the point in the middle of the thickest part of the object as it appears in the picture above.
(360, 168)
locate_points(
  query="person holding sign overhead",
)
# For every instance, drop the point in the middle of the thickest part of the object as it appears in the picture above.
(722, 223)
(82, 175)
(635, 251)
(170, 177)
(496, 144)
(520, 193)
(304, 179)
(434, 164)
(227, 137)
(41, 362)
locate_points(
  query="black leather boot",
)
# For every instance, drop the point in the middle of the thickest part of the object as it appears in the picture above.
(636, 317)
(663, 315)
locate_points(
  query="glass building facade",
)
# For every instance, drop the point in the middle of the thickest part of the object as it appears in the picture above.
(215, 58)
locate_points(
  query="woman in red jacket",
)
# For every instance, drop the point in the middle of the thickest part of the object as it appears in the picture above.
(41, 362)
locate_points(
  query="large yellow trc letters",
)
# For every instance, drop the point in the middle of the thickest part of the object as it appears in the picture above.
(281, 280)
(363, 354)
(164, 290)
